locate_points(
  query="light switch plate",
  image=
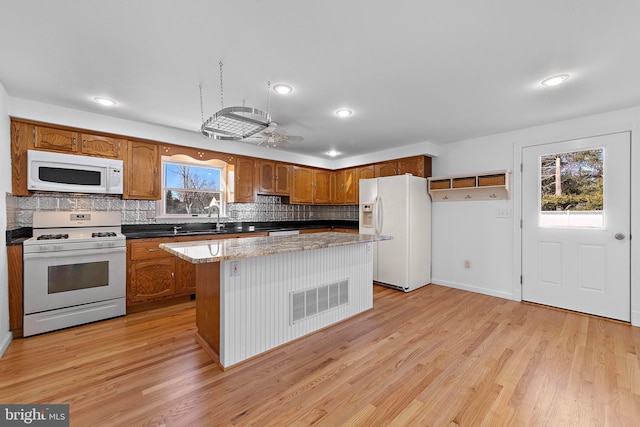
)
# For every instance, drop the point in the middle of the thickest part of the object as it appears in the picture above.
(503, 213)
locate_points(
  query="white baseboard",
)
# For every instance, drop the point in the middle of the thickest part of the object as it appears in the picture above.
(4, 343)
(476, 289)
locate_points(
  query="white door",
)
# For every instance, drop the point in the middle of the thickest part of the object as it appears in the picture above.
(575, 234)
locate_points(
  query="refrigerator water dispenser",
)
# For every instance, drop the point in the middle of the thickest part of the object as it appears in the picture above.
(367, 215)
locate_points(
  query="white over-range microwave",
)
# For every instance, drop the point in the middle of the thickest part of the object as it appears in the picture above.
(70, 173)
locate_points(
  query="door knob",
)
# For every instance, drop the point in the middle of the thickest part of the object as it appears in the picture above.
(619, 236)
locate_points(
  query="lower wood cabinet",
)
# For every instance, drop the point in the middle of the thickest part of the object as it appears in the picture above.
(154, 274)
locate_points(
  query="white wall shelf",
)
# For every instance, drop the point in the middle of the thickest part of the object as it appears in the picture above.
(492, 185)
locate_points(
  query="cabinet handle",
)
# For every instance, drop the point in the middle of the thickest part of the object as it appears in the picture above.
(153, 250)
(33, 135)
(73, 141)
(172, 275)
(84, 143)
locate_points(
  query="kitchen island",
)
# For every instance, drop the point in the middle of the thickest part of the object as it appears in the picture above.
(255, 294)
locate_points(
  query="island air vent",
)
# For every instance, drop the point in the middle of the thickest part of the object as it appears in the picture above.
(313, 301)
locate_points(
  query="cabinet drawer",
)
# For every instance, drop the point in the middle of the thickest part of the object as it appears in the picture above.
(149, 249)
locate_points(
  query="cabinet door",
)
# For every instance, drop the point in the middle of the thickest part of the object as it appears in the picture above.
(301, 185)
(22, 136)
(350, 189)
(243, 178)
(142, 178)
(151, 280)
(339, 187)
(101, 146)
(185, 277)
(265, 177)
(366, 172)
(322, 187)
(51, 139)
(412, 165)
(386, 169)
(283, 179)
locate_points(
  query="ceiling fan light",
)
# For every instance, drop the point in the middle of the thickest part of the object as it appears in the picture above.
(105, 101)
(283, 89)
(555, 80)
(332, 153)
(344, 112)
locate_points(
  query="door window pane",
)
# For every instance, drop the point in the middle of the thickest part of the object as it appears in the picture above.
(571, 189)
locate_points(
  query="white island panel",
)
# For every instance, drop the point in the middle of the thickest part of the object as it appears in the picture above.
(255, 296)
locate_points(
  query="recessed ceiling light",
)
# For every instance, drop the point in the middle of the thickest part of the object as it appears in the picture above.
(344, 112)
(332, 153)
(555, 80)
(283, 89)
(105, 101)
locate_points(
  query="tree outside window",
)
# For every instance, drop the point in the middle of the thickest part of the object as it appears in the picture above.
(192, 190)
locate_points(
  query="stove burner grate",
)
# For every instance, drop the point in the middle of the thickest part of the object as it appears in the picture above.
(104, 234)
(53, 236)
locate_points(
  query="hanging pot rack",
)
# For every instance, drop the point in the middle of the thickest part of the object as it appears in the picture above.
(234, 123)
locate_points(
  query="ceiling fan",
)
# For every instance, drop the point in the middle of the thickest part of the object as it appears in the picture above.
(273, 136)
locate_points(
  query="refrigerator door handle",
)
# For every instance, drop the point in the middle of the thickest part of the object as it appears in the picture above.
(378, 215)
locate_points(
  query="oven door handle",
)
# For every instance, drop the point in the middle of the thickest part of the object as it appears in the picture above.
(75, 253)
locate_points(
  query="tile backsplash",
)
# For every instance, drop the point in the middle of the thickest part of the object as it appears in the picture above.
(267, 208)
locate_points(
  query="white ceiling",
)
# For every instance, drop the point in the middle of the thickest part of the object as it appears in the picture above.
(412, 71)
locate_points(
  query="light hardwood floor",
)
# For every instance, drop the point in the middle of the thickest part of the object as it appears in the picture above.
(436, 356)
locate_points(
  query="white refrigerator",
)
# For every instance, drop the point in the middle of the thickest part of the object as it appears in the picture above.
(398, 206)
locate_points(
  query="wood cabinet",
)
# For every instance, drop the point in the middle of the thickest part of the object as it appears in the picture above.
(416, 165)
(272, 177)
(63, 140)
(346, 187)
(53, 139)
(142, 171)
(322, 194)
(244, 180)
(301, 185)
(366, 172)
(154, 274)
(101, 146)
(15, 276)
(310, 185)
(492, 185)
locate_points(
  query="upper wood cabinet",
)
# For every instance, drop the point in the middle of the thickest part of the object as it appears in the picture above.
(346, 186)
(322, 183)
(68, 141)
(311, 186)
(416, 165)
(53, 139)
(102, 146)
(244, 180)
(272, 177)
(365, 172)
(142, 171)
(301, 185)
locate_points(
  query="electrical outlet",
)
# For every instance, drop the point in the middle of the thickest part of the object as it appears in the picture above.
(235, 270)
(467, 263)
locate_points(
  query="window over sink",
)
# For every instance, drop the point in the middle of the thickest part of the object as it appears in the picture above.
(193, 188)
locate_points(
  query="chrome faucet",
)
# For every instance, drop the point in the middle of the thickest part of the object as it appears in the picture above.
(217, 208)
(176, 228)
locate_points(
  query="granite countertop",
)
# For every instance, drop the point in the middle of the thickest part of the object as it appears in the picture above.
(228, 249)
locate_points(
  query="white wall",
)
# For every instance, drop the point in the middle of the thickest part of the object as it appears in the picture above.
(470, 230)
(5, 187)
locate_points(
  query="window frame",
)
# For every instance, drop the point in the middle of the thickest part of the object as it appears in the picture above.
(184, 160)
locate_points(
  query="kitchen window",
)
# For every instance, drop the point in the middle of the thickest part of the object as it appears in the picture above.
(192, 188)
